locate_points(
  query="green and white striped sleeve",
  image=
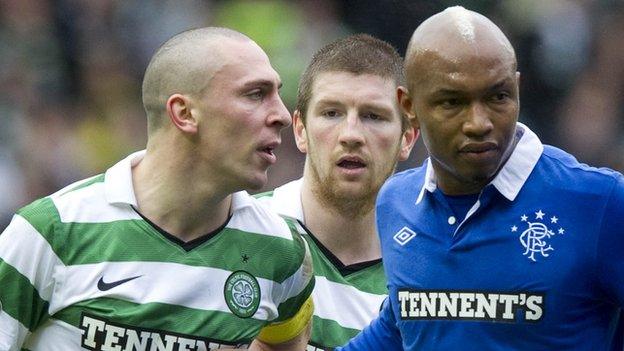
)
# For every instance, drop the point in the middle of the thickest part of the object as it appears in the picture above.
(27, 273)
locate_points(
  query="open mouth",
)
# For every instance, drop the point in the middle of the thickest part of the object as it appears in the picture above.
(268, 150)
(351, 164)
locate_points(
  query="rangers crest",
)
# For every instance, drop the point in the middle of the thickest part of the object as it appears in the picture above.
(537, 234)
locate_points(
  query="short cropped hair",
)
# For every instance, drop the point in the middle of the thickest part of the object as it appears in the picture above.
(177, 67)
(356, 54)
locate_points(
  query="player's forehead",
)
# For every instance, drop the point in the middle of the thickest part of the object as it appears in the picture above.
(469, 71)
(245, 64)
(458, 40)
(346, 87)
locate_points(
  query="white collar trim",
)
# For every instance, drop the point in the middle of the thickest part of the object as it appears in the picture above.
(118, 188)
(286, 200)
(515, 171)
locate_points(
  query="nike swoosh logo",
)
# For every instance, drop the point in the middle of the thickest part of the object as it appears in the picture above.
(107, 286)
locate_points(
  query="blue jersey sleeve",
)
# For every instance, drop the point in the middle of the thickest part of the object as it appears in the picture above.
(610, 248)
(381, 334)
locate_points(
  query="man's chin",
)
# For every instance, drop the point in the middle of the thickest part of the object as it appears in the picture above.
(354, 192)
(256, 182)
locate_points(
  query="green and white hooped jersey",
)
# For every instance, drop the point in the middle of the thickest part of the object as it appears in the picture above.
(346, 299)
(80, 269)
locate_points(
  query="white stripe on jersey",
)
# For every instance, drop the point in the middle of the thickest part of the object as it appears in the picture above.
(348, 306)
(165, 282)
(10, 329)
(19, 237)
(54, 335)
(257, 219)
(71, 206)
(71, 186)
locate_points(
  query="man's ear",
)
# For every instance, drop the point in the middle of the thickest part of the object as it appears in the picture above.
(405, 102)
(179, 112)
(518, 76)
(301, 137)
(410, 135)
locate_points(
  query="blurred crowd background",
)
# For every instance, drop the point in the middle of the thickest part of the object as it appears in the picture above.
(71, 70)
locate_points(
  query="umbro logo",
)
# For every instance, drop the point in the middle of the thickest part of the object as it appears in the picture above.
(103, 286)
(404, 235)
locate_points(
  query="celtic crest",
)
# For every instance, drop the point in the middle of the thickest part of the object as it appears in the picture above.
(536, 237)
(242, 294)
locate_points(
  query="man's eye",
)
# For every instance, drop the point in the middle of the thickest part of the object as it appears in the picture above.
(501, 96)
(255, 95)
(372, 116)
(450, 103)
(330, 113)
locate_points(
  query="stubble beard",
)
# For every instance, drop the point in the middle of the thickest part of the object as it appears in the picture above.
(346, 203)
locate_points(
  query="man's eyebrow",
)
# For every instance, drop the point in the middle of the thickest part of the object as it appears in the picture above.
(367, 105)
(499, 85)
(496, 86)
(445, 91)
(264, 83)
(328, 101)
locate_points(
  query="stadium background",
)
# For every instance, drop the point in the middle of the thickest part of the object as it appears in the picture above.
(70, 73)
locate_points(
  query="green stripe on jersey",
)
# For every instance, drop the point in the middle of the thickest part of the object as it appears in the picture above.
(170, 318)
(22, 301)
(137, 240)
(89, 181)
(287, 309)
(264, 194)
(328, 333)
(371, 279)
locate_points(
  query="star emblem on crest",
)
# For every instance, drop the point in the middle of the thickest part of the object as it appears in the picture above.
(535, 236)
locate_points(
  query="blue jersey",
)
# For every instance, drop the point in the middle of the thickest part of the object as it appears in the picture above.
(537, 264)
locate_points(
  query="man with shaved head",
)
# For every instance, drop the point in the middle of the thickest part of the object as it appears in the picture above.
(497, 242)
(165, 250)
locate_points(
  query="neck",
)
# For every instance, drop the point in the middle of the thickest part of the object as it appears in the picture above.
(351, 238)
(161, 185)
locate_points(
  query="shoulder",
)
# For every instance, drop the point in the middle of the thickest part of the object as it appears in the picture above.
(275, 235)
(57, 207)
(406, 183)
(285, 200)
(564, 171)
(253, 215)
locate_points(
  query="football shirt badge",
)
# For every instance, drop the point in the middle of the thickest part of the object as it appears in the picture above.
(536, 237)
(242, 294)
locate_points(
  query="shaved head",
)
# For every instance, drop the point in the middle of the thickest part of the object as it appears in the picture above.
(455, 35)
(185, 64)
(463, 97)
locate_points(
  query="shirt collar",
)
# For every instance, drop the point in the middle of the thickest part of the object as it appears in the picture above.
(118, 180)
(514, 173)
(286, 200)
(119, 190)
(240, 200)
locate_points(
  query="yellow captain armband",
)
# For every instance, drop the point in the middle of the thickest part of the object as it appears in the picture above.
(283, 331)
